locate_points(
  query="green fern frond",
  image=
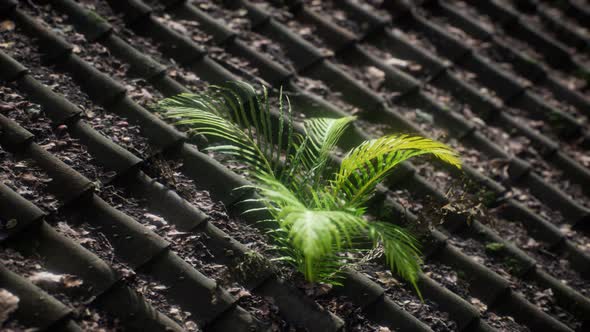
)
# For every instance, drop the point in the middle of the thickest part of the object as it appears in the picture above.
(401, 250)
(324, 134)
(367, 165)
(318, 234)
(242, 145)
(317, 217)
(231, 114)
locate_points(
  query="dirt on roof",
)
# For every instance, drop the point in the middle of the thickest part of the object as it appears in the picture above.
(113, 220)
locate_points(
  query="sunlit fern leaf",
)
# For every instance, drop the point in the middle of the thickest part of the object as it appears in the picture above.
(319, 234)
(316, 234)
(368, 164)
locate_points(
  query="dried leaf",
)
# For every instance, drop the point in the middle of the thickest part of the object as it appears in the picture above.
(11, 223)
(8, 304)
(6, 25)
(191, 326)
(478, 304)
(375, 73)
(154, 219)
(64, 228)
(545, 294)
(452, 278)
(29, 177)
(397, 62)
(44, 277)
(243, 293)
(415, 67)
(48, 146)
(71, 281)
(177, 26)
(376, 76)
(386, 278)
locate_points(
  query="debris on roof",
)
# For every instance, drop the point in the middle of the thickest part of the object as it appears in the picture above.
(111, 219)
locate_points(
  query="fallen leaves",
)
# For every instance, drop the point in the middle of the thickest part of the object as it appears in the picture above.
(386, 278)
(29, 177)
(397, 62)
(239, 292)
(155, 220)
(315, 290)
(191, 326)
(11, 223)
(412, 66)
(48, 279)
(70, 281)
(375, 73)
(545, 295)
(531, 244)
(482, 307)
(376, 77)
(139, 93)
(6, 25)
(8, 304)
(585, 160)
(5, 107)
(43, 276)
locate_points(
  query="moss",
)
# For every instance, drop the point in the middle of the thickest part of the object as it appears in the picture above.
(514, 266)
(528, 59)
(461, 275)
(557, 121)
(471, 186)
(487, 197)
(96, 18)
(583, 74)
(494, 246)
(251, 264)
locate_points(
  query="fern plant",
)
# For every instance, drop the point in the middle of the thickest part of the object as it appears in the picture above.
(317, 207)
